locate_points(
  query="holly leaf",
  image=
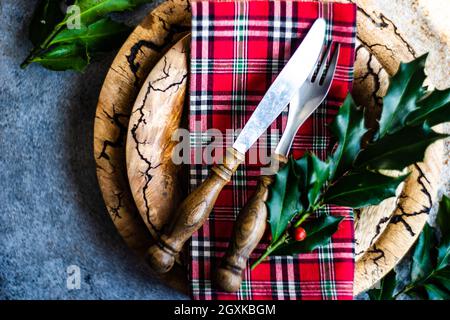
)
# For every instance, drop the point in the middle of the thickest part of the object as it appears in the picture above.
(398, 150)
(443, 219)
(405, 89)
(348, 127)
(46, 16)
(424, 256)
(100, 36)
(430, 269)
(284, 201)
(318, 233)
(362, 188)
(63, 57)
(442, 276)
(434, 109)
(387, 288)
(436, 293)
(351, 176)
(92, 10)
(313, 174)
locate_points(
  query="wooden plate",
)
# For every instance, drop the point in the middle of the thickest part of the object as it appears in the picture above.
(382, 237)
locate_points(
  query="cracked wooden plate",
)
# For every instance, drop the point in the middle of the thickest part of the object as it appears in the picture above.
(383, 233)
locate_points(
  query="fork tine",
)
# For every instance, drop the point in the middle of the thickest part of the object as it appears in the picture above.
(323, 64)
(332, 68)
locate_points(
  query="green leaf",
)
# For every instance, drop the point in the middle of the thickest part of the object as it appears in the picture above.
(318, 233)
(94, 34)
(442, 277)
(443, 255)
(46, 16)
(418, 293)
(63, 57)
(424, 256)
(404, 90)
(102, 35)
(92, 10)
(362, 188)
(313, 175)
(436, 293)
(398, 150)
(434, 287)
(387, 288)
(430, 269)
(443, 220)
(434, 109)
(348, 127)
(284, 202)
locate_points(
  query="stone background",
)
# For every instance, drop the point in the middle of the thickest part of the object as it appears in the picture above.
(51, 210)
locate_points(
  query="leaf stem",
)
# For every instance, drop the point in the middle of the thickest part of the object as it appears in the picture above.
(302, 219)
(43, 46)
(271, 248)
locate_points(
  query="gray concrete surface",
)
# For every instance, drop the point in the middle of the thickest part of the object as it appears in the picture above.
(51, 211)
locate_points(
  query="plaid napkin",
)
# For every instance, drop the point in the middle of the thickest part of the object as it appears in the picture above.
(238, 49)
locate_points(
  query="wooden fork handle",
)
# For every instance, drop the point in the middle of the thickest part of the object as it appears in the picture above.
(247, 233)
(192, 213)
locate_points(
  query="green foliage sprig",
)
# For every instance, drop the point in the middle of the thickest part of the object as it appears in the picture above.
(353, 176)
(57, 47)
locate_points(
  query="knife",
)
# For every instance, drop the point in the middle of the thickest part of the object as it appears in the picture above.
(197, 206)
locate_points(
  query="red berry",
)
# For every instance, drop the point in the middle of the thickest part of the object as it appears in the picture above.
(300, 234)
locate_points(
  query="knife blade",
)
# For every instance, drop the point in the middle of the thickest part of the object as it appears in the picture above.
(195, 209)
(284, 87)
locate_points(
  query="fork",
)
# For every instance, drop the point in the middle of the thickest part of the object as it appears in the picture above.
(251, 222)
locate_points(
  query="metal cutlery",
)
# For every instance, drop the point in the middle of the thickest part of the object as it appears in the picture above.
(251, 222)
(195, 209)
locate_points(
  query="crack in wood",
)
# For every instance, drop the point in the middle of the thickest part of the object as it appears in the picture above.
(397, 32)
(380, 254)
(115, 211)
(148, 176)
(171, 32)
(378, 228)
(118, 142)
(376, 77)
(384, 23)
(400, 218)
(141, 120)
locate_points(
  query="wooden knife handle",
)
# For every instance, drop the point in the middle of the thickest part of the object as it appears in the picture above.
(192, 213)
(248, 231)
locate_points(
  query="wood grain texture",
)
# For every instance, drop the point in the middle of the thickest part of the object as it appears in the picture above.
(383, 47)
(155, 180)
(192, 213)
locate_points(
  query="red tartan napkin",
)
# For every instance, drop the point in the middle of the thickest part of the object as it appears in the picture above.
(238, 48)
